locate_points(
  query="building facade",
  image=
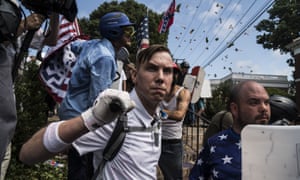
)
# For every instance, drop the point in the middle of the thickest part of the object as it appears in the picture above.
(268, 81)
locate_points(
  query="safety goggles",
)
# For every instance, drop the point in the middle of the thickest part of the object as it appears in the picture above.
(128, 31)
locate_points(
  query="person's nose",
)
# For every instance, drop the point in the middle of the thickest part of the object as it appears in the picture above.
(265, 107)
(160, 76)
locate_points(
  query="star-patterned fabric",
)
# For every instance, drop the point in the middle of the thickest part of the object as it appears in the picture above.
(143, 34)
(220, 158)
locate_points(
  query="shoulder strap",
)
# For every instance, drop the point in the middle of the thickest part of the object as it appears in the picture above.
(179, 90)
(113, 145)
(116, 140)
(221, 120)
(141, 129)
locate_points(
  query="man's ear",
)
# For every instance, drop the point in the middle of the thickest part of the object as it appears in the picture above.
(233, 109)
(133, 75)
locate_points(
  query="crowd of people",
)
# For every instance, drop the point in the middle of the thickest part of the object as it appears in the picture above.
(154, 103)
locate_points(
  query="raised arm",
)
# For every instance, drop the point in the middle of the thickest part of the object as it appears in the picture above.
(57, 136)
(34, 150)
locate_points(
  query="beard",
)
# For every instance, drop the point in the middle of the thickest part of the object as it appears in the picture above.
(259, 119)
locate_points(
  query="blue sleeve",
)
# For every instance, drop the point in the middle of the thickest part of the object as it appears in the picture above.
(102, 75)
(78, 45)
(201, 168)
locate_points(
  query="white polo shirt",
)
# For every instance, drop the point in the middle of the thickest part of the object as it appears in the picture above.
(139, 154)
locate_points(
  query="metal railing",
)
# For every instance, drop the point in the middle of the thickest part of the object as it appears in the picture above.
(193, 134)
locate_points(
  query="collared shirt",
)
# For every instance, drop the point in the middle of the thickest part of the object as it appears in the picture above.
(94, 71)
(220, 158)
(138, 157)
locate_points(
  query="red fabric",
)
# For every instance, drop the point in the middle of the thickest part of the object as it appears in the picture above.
(168, 18)
(56, 68)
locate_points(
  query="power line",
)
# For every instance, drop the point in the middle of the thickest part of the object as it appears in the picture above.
(188, 27)
(253, 19)
(198, 27)
(239, 21)
(228, 18)
(211, 27)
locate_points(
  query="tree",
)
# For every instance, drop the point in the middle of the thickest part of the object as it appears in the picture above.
(282, 26)
(135, 11)
(219, 99)
(32, 115)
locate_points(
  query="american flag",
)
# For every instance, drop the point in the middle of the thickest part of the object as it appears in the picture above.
(168, 18)
(143, 34)
(56, 68)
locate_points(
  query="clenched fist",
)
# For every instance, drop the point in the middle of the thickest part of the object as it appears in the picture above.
(107, 107)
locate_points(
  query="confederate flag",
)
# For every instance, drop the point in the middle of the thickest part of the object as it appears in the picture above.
(167, 19)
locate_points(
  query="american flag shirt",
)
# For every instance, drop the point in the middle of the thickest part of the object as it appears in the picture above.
(220, 158)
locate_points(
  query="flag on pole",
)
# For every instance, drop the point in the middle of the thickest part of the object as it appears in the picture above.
(168, 18)
(143, 34)
(56, 68)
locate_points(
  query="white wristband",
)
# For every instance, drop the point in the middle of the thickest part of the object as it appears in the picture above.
(51, 140)
(89, 120)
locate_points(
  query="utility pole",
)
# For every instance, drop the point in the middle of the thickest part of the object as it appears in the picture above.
(295, 49)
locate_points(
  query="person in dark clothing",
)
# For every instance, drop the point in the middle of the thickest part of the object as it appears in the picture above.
(184, 68)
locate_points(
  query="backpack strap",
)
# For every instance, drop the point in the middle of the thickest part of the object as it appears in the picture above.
(221, 120)
(141, 129)
(113, 145)
(116, 140)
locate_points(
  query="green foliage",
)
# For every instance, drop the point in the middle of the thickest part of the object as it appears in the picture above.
(32, 115)
(135, 11)
(272, 91)
(219, 99)
(282, 26)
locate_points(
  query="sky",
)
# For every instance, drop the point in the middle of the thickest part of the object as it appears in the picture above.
(203, 28)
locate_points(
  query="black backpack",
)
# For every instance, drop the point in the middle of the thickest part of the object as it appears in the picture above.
(10, 18)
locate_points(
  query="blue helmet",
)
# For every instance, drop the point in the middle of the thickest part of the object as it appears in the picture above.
(111, 25)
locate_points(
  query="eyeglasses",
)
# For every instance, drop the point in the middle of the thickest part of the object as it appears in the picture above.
(128, 31)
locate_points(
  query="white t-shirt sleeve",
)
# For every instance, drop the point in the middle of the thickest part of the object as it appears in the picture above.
(94, 140)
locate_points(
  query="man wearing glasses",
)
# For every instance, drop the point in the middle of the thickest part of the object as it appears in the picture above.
(94, 71)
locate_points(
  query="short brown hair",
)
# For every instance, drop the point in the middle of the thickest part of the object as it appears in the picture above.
(146, 54)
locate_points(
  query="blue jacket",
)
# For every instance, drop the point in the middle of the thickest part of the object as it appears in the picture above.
(94, 71)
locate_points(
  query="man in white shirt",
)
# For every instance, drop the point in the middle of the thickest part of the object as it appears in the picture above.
(139, 154)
